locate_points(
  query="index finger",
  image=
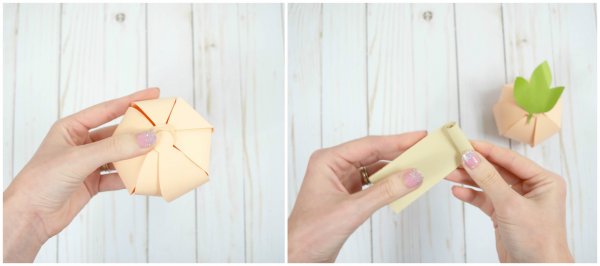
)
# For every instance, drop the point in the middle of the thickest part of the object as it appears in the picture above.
(368, 150)
(515, 163)
(105, 112)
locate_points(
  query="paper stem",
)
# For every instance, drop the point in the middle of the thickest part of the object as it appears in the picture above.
(529, 117)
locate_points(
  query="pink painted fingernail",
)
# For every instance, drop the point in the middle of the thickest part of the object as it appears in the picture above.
(470, 159)
(146, 139)
(413, 178)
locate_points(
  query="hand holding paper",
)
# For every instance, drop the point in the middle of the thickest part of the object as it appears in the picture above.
(436, 156)
(180, 160)
(331, 203)
(525, 202)
(63, 175)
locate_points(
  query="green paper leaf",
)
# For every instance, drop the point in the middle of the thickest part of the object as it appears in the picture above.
(535, 96)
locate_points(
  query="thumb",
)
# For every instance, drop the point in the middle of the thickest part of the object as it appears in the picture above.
(388, 190)
(487, 177)
(112, 149)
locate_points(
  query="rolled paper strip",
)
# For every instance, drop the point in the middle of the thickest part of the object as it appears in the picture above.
(179, 161)
(435, 156)
(511, 120)
(457, 137)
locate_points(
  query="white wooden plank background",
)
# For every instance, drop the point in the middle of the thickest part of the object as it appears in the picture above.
(425, 65)
(59, 59)
(343, 101)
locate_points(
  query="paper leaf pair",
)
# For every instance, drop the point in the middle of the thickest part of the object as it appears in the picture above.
(536, 96)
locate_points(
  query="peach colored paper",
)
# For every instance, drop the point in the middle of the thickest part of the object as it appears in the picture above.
(179, 161)
(511, 120)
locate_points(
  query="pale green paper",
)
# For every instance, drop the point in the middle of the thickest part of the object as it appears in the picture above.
(536, 96)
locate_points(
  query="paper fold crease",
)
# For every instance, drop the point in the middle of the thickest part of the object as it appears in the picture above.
(435, 156)
(180, 159)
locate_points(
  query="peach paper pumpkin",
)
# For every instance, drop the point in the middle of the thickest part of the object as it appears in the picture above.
(511, 120)
(179, 161)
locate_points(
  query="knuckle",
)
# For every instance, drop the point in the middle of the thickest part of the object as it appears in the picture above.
(60, 123)
(114, 144)
(509, 207)
(392, 187)
(317, 155)
(489, 177)
(561, 186)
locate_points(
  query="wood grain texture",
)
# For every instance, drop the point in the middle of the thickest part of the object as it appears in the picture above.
(36, 88)
(391, 103)
(451, 61)
(227, 62)
(304, 91)
(481, 75)
(125, 61)
(528, 42)
(412, 86)
(262, 89)
(534, 33)
(171, 225)
(574, 46)
(9, 35)
(220, 218)
(345, 118)
(94, 68)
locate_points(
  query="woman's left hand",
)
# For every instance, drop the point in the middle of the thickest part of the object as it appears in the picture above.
(331, 204)
(63, 175)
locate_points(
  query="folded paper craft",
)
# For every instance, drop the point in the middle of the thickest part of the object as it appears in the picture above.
(180, 159)
(435, 156)
(512, 121)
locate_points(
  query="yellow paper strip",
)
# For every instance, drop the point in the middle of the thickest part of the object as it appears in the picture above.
(435, 156)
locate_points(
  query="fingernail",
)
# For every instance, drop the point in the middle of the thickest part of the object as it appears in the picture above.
(470, 159)
(413, 178)
(146, 139)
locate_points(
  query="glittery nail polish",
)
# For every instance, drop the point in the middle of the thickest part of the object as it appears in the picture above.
(146, 139)
(470, 159)
(413, 178)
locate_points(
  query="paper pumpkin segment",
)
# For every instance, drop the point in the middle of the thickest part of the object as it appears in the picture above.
(512, 121)
(179, 162)
(444, 147)
(529, 111)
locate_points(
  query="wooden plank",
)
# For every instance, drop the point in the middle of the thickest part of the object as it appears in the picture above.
(262, 66)
(171, 226)
(125, 72)
(304, 91)
(36, 88)
(528, 42)
(574, 46)
(220, 202)
(103, 57)
(9, 50)
(391, 95)
(412, 86)
(82, 85)
(344, 73)
(481, 75)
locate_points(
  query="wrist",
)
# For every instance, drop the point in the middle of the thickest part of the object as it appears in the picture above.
(302, 250)
(563, 254)
(23, 229)
(556, 252)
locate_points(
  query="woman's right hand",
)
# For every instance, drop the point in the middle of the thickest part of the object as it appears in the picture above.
(525, 202)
